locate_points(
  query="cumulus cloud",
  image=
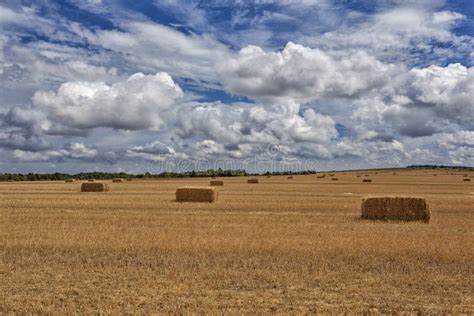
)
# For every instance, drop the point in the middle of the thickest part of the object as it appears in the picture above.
(422, 101)
(303, 73)
(247, 123)
(136, 103)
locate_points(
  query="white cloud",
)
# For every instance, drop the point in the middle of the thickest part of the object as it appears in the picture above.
(137, 103)
(406, 33)
(160, 48)
(72, 151)
(302, 73)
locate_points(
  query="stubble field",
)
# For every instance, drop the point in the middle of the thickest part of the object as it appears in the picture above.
(283, 245)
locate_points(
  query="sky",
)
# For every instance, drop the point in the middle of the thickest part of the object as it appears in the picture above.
(264, 85)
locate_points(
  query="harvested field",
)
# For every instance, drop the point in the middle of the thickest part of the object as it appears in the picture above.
(271, 248)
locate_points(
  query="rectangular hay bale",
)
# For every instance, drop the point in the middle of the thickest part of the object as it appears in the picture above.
(95, 187)
(395, 208)
(367, 180)
(252, 180)
(70, 180)
(216, 183)
(196, 194)
(467, 180)
(117, 180)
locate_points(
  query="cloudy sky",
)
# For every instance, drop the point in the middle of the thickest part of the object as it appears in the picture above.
(136, 86)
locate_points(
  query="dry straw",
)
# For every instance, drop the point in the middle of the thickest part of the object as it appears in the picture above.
(395, 208)
(252, 180)
(95, 187)
(117, 180)
(216, 183)
(196, 194)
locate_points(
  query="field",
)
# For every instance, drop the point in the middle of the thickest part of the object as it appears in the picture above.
(283, 245)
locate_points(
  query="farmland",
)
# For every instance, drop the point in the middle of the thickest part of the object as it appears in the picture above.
(282, 245)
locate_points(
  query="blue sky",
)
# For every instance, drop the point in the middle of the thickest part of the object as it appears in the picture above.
(118, 85)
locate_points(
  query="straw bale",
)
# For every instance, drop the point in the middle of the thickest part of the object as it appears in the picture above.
(395, 208)
(94, 187)
(196, 194)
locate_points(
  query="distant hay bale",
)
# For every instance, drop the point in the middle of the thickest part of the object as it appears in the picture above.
(358, 176)
(95, 187)
(321, 176)
(290, 177)
(394, 173)
(216, 183)
(117, 180)
(196, 194)
(367, 180)
(334, 179)
(467, 180)
(70, 180)
(252, 180)
(395, 208)
(90, 180)
(269, 177)
(129, 179)
(213, 177)
(367, 175)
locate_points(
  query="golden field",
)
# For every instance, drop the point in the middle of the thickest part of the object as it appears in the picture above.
(280, 246)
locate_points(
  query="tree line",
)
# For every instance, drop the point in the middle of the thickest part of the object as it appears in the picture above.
(107, 175)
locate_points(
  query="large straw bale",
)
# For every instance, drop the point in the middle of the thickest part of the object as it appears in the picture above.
(216, 183)
(252, 180)
(70, 180)
(196, 194)
(395, 208)
(117, 180)
(95, 187)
